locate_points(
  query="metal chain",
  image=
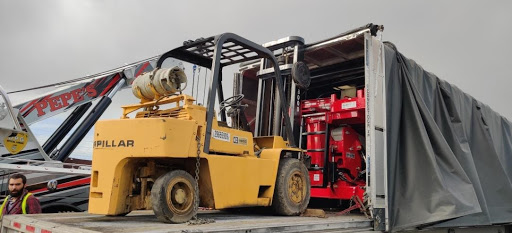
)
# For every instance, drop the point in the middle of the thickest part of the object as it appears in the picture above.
(195, 220)
(198, 164)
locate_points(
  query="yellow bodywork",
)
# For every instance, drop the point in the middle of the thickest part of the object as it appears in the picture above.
(131, 153)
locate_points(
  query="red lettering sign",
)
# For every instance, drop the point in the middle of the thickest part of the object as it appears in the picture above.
(54, 103)
(77, 95)
(91, 92)
(40, 106)
(65, 97)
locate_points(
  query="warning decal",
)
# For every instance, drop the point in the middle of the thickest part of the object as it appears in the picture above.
(346, 105)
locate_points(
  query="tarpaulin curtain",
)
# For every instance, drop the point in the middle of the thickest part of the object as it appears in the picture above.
(449, 156)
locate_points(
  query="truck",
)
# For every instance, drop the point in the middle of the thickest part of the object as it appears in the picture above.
(375, 130)
(58, 188)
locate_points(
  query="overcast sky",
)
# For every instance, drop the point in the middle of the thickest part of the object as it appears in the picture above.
(466, 43)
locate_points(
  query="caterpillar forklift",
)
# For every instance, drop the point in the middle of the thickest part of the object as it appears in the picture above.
(175, 155)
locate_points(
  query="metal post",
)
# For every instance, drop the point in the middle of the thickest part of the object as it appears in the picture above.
(298, 55)
(261, 97)
(276, 125)
(220, 93)
(237, 83)
(237, 89)
(272, 103)
(216, 69)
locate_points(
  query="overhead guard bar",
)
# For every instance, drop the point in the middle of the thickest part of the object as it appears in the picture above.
(215, 53)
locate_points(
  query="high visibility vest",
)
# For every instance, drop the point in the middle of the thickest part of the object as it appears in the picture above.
(23, 204)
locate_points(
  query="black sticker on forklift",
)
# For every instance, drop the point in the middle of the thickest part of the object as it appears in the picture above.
(239, 140)
(113, 143)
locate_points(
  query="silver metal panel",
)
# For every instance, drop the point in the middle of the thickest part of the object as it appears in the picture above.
(45, 166)
(370, 125)
(378, 159)
(377, 54)
(376, 124)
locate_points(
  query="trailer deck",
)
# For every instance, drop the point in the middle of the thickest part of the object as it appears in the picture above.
(145, 221)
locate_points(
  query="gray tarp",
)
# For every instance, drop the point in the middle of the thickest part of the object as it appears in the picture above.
(449, 156)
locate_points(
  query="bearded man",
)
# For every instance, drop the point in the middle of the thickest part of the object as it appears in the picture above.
(20, 201)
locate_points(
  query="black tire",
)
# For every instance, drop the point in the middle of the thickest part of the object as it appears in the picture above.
(292, 192)
(172, 197)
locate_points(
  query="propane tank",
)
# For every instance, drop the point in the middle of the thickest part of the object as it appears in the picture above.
(159, 82)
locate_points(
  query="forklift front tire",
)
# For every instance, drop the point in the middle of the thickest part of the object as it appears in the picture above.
(172, 197)
(291, 195)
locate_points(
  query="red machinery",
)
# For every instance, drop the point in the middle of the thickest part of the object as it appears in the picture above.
(337, 167)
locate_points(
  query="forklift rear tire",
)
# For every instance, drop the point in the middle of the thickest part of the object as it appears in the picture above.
(291, 195)
(172, 197)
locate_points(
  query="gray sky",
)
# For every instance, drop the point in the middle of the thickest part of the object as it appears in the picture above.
(42, 42)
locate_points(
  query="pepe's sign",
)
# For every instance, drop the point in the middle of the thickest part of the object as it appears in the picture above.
(73, 96)
(55, 103)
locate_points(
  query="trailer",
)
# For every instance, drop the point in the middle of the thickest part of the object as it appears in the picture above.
(145, 221)
(434, 157)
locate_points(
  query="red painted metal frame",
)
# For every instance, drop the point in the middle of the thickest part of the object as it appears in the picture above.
(337, 112)
(341, 190)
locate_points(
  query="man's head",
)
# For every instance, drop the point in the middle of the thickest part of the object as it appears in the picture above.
(17, 183)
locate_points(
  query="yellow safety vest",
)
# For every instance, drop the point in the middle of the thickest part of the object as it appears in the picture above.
(23, 204)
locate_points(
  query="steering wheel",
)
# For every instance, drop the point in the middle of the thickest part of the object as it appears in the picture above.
(232, 102)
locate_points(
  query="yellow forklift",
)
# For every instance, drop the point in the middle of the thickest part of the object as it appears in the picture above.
(175, 155)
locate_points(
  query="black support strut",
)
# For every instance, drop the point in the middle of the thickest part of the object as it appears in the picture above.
(82, 130)
(65, 128)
